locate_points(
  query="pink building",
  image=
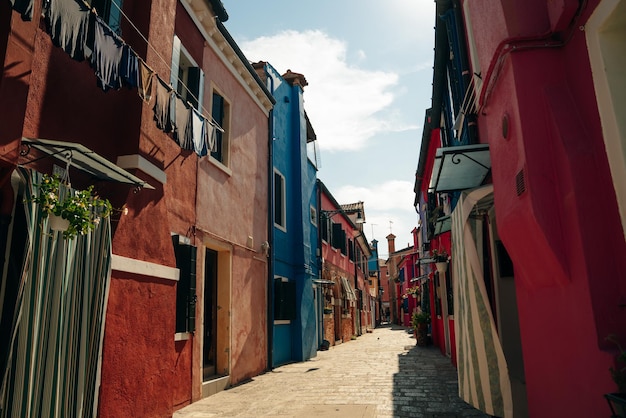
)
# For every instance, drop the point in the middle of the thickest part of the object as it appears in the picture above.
(530, 152)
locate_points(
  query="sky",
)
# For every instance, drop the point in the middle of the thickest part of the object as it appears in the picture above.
(368, 65)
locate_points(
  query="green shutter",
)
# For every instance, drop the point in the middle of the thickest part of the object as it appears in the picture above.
(186, 287)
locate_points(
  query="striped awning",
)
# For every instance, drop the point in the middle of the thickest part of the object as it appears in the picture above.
(347, 289)
(482, 369)
(57, 325)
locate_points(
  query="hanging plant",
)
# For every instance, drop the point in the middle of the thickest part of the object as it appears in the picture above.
(81, 208)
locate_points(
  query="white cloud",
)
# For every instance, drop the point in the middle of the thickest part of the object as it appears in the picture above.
(345, 103)
(384, 202)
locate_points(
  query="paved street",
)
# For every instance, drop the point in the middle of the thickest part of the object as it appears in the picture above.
(381, 374)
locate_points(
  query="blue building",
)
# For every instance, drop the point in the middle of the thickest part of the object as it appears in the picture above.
(374, 279)
(293, 300)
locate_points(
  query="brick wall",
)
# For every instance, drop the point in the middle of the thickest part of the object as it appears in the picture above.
(329, 329)
(346, 327)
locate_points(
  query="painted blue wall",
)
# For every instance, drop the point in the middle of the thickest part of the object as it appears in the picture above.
(294, 246)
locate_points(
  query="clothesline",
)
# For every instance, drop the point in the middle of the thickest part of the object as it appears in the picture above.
(77, 51)
(132, 24)
(167, 65)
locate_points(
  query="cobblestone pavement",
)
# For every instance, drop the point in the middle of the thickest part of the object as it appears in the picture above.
(381, 374)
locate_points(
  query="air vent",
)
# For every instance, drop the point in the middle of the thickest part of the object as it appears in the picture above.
(520, 182)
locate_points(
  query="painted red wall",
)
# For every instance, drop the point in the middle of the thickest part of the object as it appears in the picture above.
(45, 94)
(560, 231)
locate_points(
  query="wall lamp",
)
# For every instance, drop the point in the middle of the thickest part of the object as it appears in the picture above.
(330, 213)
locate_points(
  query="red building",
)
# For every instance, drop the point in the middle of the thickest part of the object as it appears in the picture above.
(530, 105)
(173, 320)
(344, 255)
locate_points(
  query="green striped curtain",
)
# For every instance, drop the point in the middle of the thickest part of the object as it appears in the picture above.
(56, 346)
(482, 370)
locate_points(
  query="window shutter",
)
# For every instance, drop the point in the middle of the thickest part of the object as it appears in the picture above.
(195, 78)
(336, 236)
(175, 62)
(324, 227)
(342, 242)
(351, 250)
(217, 112)
(186, 286)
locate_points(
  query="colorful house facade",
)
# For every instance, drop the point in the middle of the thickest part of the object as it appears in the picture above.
(293, 293)
(529, 147)
(177, 139)
(344, 254)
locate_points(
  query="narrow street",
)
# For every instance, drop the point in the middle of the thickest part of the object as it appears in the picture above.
(381, 374)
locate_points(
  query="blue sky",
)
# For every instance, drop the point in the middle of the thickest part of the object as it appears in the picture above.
(369, 69)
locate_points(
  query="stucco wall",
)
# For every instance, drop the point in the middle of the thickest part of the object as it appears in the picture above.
(565, 290)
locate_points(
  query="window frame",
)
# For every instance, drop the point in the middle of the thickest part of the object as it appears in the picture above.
(110, 14)
(182, 58)
(313, 215)
(222, 138)
(283, 201)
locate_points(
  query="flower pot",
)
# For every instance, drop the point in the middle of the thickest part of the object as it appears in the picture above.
(58, 223)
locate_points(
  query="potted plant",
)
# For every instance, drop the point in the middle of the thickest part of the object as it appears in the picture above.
(617, 400)
(420, 321)
(441, 258)
(413, 291)
(80, 210)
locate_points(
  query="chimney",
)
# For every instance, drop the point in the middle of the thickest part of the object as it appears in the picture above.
(391, 243)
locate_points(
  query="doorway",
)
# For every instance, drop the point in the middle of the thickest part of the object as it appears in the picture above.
(210, 315)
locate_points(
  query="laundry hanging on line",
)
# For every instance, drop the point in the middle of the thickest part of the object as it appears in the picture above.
(83, 35)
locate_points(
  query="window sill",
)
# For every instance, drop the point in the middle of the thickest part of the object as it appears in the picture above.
(220, 166)
(182, 336)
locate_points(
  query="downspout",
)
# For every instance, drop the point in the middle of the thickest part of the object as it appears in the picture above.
(320, 266)
(548, 39)
(360, 300)
(270, 232)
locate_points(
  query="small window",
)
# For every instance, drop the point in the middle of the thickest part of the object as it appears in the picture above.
(313, 216)
(110, 12)
(220, 112)
(279, 200)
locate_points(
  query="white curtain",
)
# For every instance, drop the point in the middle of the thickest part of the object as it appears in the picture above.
(482, 370)
(55, 352)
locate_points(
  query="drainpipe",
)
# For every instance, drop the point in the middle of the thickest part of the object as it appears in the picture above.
(320, 266)
(270, 233)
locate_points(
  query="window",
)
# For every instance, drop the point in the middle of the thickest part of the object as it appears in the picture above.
(284, 299)
(186, 286)
(110, 12)
(313, 216)
(338, 238)
(220, 112)
(186, 77)
(324, 227)
(279, 201)
(351, 250)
